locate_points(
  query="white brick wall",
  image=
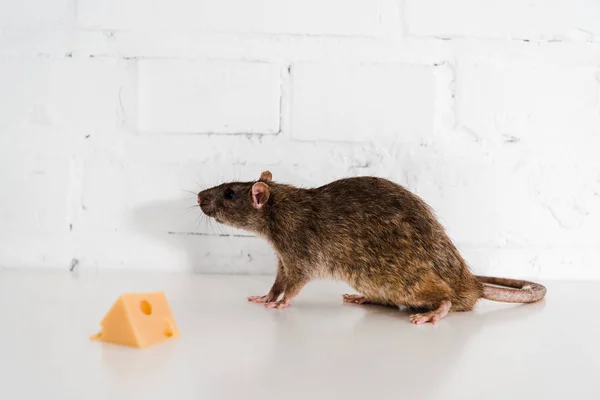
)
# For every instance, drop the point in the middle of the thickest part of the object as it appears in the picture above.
(314, 17)
(65, 93)
(505, 19)
(519, 100)
(110, 110)
(42, 14)
(208, 97)
(344, 102)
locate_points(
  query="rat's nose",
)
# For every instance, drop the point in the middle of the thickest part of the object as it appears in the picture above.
(199, 198)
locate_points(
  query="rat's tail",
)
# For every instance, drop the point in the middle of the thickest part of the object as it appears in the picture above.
(515, 291)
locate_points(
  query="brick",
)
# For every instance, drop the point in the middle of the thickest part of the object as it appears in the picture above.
(37, 174)
(524, 100)
(362, 102)
(553, 19)
(208, 97)
(65, 93)
(315, 17)
(35, 250)
(39, 14)
(35, 42)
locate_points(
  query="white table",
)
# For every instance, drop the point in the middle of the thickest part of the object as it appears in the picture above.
(317, 349)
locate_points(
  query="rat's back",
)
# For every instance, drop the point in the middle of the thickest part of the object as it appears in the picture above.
(372, 196)
(379, 207)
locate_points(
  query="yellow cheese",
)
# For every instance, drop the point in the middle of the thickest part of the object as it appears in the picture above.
(138, 320)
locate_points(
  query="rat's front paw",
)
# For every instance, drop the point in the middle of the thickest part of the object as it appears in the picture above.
(260, 299)
(278, 304)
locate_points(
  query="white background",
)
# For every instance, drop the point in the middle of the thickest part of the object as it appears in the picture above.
(110, 110)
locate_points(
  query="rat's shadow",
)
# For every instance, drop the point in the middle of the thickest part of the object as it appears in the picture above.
(361, 355)
(162, 221)
(209, 247)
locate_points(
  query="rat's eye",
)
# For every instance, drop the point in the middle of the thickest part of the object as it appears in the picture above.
(229, 194)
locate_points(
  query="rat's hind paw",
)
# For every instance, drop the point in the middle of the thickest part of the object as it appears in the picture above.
(419, 319)
(278, 304)
(356, 299)
(431, 316)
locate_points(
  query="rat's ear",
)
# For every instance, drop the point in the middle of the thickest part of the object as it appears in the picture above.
(260, 194)
(266, 176)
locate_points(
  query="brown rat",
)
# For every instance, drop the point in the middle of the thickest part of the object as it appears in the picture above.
(372, 233)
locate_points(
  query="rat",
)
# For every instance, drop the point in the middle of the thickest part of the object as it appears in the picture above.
(377, 236)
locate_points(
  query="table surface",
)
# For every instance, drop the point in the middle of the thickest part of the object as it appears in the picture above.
(318, 348)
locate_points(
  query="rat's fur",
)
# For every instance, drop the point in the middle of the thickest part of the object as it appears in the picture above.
(375, 235)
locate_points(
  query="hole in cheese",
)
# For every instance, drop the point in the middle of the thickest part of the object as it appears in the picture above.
(146, 307)
(168, 329)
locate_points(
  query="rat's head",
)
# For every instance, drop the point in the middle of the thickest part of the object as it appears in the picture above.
(238, 204)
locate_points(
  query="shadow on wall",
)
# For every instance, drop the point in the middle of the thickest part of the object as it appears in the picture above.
(209, 247)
